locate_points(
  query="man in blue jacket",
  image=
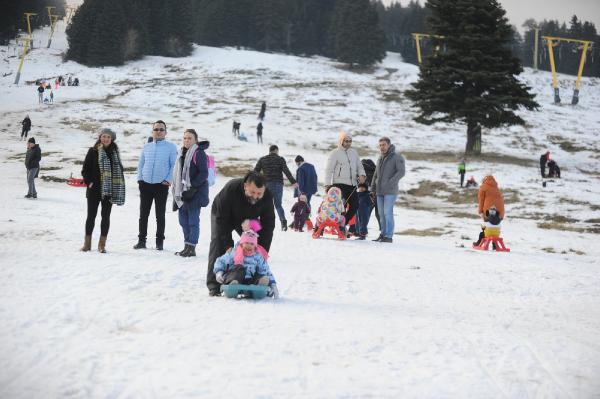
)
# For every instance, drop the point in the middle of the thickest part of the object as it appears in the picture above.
(155, 175)
(306, 176)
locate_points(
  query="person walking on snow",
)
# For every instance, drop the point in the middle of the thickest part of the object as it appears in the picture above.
(190, 189)
(263, 110)
(26, 127)
(344, 170)
(102, 173)
(259, 130)
(462, 171)
(273, 167)
(32, 164)
(155, 175)
(388, 172)
(306, 176)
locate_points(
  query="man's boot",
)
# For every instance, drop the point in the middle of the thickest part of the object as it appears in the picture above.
(284, 225)
(159, 244)
(102, 245)
(191, 251)
(87, 244)
(141, 244)
(184, 251)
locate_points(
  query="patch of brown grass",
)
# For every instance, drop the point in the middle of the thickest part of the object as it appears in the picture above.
(428, 188)
(565, 144)
(53, 179)
(463, 215)
(448, 156)
(433, 232)
(234, 170)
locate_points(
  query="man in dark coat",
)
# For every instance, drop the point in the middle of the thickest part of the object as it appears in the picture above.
(544, 158)
(32, 163)
(273, 167)
(306, 176)
(240, 199)
(26, 127)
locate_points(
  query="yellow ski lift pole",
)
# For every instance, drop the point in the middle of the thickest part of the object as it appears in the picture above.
(54, 19)
(28, 41)
(553, 69)
(69, 11)
(52, 22)
(575, 99)
(586, 45)
(417, 37)
(25, 50)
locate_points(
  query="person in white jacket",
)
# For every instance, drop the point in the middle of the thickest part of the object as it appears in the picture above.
(344, 170)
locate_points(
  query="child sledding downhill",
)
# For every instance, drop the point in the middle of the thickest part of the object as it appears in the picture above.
(245, 265)
(331, 214)
(301, 211)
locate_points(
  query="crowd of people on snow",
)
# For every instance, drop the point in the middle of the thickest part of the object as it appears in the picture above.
(354, 187)
(45, 91)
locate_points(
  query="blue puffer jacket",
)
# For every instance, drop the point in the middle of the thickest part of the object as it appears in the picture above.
(253, 264)
(199, 177)
(157, 161)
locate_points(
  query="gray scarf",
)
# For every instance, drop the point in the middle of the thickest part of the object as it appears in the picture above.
(181, 178)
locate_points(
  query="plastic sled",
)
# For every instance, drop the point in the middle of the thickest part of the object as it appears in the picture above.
(497, 241)
(245, 291)
(329, 227)
(75, 182)
(309, 225)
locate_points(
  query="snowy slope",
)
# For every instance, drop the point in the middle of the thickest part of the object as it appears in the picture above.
(422, 317)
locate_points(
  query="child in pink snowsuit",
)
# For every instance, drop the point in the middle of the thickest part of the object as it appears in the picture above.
(250, 225)
(332, 208)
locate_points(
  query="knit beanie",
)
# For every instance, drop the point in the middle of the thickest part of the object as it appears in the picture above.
(31, 140)
(112, 134)
(343, 136)
(249, 237)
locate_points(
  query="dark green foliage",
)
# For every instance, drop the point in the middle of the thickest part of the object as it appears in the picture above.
(110, 32)
(473, 78)
(567, 56)
(357, 37)
(12, 19)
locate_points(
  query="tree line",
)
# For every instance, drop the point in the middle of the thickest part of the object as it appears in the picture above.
(12, 18)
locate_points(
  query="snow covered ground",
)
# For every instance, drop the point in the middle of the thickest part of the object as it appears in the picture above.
(424, 317)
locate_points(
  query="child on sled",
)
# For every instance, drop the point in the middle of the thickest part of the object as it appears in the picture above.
(245, 265)
(301, 211)
(491, 208)
(332, 209)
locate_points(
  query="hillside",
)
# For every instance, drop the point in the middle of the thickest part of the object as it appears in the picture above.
(423, 317)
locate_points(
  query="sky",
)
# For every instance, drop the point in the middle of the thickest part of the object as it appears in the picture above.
(518, 11)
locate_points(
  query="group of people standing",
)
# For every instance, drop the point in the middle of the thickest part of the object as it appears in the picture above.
(161, 167)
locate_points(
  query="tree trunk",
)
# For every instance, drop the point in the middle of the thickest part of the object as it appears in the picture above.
(473, 139)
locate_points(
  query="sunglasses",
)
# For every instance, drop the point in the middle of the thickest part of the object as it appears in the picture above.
(347, 141)
(160, 129)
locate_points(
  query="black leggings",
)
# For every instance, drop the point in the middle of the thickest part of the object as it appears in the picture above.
(350, 197)
(92, 211)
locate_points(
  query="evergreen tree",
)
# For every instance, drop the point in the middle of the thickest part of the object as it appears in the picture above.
(474, 80)
(79, 31)
(108, 35)
(12, 19)
(357, 37)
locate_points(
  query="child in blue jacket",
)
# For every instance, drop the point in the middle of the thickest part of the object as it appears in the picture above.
(252, 269)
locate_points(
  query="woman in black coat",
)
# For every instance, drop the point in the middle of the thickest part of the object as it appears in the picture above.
(103, 175)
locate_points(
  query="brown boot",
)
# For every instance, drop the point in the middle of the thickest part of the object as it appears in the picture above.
(102, 245)
(87, 244)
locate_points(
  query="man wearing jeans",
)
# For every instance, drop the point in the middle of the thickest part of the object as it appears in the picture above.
(388, 172)
(155, 175)
(32, 163)
(273, 166)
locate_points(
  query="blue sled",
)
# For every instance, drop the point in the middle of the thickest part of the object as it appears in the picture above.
(245, 291)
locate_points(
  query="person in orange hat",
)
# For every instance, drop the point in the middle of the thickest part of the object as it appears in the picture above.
(491, 204)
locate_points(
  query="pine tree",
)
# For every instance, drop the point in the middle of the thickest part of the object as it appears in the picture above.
(357, 37)
(79, 31)
(474, 80)
(107, 42)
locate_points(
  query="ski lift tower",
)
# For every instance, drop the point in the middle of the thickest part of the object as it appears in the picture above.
(28, 41)
(554, 41)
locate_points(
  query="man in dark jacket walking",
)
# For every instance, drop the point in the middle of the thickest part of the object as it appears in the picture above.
(273, 167)
(306, 176)
(32, 163)
(389, 171)
(240, 199)
(26, 127)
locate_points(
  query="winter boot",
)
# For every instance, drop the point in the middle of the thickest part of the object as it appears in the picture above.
(159, 244)
(191, 251)
(87, 244)
(102, 245)
(141, 244)
(184, 251)
(284, 226)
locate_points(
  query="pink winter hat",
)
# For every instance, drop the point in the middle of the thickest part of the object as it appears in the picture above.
(249, 237)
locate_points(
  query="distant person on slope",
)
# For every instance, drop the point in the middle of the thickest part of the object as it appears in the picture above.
(32, 164)
(462, 171)
(263, 110)
(273, 167)
(102, 173)
(26, 127)
(259, 132)
(544, 158)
